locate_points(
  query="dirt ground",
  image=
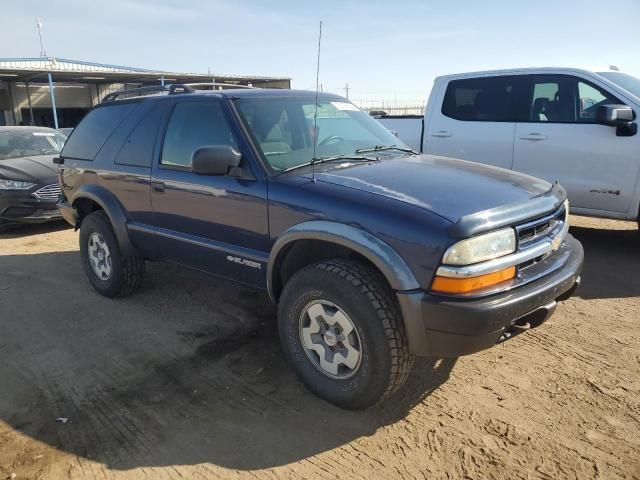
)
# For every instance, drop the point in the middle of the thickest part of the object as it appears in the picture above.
(186, 380)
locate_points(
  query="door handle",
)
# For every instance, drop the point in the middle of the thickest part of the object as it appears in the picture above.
(441, 134)
(533, 136)
(157, 186)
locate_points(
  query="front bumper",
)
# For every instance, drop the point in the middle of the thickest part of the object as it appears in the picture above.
(449, 327)
(21, 207)
(69, 213)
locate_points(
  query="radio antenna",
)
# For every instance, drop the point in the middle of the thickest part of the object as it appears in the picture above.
(315, 113)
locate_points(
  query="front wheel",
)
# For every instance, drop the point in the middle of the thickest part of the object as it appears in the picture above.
(342, 331)
(111, 273)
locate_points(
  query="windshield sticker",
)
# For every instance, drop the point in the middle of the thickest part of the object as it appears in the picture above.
(344, 106)
(43, 134)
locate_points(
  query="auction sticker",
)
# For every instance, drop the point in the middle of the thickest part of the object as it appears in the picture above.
(345, 106)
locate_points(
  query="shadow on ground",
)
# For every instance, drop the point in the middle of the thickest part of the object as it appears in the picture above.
(27, 230)
(612, 263)
(187, 371)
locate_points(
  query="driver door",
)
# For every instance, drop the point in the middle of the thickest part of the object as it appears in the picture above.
(217, 224)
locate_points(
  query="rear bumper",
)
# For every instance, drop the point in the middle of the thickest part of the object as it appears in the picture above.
(450, 327)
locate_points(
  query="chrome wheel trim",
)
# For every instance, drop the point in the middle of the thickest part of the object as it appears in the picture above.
(330, 339)
(99, 256)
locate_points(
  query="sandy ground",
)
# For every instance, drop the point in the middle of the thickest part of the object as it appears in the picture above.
(186, 380)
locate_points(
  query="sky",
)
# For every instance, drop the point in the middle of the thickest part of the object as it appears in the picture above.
(386, 51)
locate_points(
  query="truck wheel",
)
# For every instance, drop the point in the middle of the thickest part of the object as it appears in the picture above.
(110, 273)
(341, 330)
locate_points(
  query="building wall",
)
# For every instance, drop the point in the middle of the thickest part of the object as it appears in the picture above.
(67, 96)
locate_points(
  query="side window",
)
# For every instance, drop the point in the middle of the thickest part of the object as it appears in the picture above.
(565, 99)
(95, 129)
(553, 99)
(193, 125)
(137, 149)
(591, 98)
(486, 99)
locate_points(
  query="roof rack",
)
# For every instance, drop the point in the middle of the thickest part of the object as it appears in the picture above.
(170, 89)
(218, 84)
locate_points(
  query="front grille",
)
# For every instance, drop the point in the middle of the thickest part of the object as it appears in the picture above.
(50, 192)
(531, 232)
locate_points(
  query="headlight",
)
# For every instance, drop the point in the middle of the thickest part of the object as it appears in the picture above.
(15, 185)
(483, 247)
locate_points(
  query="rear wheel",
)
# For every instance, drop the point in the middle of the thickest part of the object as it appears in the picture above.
(342, 331)
(111, 273)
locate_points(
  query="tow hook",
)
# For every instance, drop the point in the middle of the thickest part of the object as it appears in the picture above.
(528, 321)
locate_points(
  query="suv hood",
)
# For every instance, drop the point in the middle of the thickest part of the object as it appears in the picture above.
(447, 187)
(36, 169)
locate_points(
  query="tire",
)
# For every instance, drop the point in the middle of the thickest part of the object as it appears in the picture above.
(351, 288)
(125, 274)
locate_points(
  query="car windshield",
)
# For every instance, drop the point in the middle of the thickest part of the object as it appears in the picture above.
(283, 129)
(630, 83)
(24, 143)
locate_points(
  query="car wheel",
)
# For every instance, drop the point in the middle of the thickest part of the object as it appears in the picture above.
(111, 273)
(341, 330)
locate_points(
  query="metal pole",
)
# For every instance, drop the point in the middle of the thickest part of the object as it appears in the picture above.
(53, 101)
(29, 100)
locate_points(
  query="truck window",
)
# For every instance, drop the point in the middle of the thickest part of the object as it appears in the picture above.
(485, 99)
(591, 98)
(137, 149)
(565, 99)
(193, 125)
(95, 129)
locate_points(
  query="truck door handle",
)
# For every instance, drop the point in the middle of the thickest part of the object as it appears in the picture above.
(533, 136)
(441, 134)
(157, 186)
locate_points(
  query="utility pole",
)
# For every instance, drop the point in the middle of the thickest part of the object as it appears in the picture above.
(346, 90)
(43, 52)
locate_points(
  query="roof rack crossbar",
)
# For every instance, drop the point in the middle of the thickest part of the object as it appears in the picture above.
(171, 89)
(218, 84)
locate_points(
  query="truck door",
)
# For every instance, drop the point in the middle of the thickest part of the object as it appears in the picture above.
(560, 141)
(217, 224)
(474, 120)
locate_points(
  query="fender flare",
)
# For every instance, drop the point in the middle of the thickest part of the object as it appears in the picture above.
(114, 210)
(382, 255)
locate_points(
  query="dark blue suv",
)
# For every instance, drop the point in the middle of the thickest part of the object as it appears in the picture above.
(373, 252)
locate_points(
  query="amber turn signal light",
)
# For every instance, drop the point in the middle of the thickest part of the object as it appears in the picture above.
(466, 285)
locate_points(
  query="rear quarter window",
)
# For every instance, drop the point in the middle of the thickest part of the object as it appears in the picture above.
(139, 146)
(95, 129)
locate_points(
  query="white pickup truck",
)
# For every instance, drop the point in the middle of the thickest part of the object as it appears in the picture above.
(567, 125)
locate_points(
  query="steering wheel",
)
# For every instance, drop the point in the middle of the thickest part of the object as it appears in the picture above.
(331, 139)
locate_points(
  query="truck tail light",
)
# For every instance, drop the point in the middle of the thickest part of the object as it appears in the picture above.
(466, 285)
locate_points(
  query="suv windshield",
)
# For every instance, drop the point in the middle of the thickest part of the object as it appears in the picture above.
(628, 82)
(17, 143)
(283, 129)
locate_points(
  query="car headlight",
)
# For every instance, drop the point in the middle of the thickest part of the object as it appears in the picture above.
(15, 185)
(483, 247)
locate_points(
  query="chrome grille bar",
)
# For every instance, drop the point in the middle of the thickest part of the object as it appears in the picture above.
(48, 192)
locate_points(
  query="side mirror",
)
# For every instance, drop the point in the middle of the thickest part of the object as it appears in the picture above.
(611, 114)
(215, 160)
(619, 116)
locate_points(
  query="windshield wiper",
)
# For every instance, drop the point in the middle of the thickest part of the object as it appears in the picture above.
(379, 148)
(335, 158)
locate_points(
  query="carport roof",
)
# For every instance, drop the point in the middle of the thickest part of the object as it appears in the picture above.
(64, 70)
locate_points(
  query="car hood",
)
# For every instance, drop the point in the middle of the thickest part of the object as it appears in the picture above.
(36, 169)
(447, 187)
